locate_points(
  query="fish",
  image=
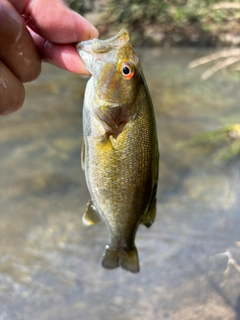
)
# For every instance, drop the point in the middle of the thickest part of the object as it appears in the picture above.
(120, 154)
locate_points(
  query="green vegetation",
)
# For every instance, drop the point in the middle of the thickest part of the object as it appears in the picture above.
(136, 12)
(180, 21)
(173, 21)
(76, 5)
(225, 141)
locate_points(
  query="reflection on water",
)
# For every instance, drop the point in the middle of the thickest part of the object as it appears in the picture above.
(50, 263)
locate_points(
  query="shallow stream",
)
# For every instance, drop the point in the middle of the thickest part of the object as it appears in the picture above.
(50, 262)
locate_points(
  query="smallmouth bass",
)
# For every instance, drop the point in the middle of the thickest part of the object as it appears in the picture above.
(120, 149)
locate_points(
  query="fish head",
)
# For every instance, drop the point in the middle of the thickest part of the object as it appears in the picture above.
(115, 68)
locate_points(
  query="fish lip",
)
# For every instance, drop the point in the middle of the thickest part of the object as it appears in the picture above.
(103, 46)
(119, 40)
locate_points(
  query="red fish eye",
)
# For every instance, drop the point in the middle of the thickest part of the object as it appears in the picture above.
(127, 71)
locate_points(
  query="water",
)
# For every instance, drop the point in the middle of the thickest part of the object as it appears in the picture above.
(50, 263)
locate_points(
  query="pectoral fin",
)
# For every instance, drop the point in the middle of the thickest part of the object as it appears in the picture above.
(91, 216)
(83, 155)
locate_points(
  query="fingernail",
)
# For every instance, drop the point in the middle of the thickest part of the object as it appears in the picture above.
(93, 32)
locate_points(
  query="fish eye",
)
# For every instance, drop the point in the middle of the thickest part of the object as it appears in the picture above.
(127, 71)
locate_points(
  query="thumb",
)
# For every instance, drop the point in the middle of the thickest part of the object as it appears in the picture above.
(56, 22)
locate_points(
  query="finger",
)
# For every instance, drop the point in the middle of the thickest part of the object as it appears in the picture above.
(64, 56)
(55, 21)
(17, 49)
(19, 5)
(12, 91)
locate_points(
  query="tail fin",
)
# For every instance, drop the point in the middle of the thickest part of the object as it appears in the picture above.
(113, 258)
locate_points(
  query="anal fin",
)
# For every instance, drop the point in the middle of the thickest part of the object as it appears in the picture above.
(91, 216)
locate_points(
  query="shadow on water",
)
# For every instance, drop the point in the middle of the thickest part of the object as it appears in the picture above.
(50, 263)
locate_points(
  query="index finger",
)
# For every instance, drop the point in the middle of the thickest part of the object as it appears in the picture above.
(55, 30)
(64, 56)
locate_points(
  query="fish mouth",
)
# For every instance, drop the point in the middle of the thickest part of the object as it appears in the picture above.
(103, 46)
(97, 51)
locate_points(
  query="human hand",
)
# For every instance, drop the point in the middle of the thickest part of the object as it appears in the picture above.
(32, 31)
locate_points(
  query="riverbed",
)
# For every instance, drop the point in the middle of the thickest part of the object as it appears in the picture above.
(50, 262)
